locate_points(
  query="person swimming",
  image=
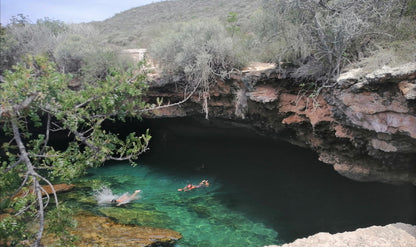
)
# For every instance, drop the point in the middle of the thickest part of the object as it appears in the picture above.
(126, 198)
(106, 196)
(203, 183)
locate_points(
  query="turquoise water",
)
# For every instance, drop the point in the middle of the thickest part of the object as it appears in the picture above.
(261, 191)
(203, 218)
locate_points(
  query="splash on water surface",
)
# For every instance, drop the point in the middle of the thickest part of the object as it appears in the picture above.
(104, 195)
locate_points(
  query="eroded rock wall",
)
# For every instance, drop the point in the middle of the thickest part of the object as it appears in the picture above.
(378, 117)
(365, 125)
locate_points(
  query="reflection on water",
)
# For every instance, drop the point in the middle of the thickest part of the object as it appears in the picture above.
(261, 191)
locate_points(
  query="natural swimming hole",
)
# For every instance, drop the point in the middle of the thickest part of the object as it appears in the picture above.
(261, 191)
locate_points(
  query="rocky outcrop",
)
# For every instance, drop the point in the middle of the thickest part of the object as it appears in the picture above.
(393, 235)
(378, 112)
(364, 125)
(101, 231)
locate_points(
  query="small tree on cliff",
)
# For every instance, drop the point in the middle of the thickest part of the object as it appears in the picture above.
(35, 102)
(203, 52)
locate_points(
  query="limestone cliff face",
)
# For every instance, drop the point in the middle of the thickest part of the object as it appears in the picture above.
(377, 115)
(365, 125)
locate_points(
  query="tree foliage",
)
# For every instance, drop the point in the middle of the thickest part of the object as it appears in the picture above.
(35, 105)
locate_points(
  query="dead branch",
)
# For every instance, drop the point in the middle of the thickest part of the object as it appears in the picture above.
(48, 128)
(52, 188)
(21, 185)
(13, 166)
(31, 172)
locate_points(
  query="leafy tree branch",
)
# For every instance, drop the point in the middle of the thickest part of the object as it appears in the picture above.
(35, 102)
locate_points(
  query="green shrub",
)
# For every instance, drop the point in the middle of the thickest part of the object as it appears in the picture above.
(21, 37)
(76, 49)
(8, 50)
(71, 51)
(80, 52)
(321, 37)
(201, 51)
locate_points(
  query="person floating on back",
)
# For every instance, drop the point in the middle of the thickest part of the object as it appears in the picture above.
(125, 198)
(203, 183)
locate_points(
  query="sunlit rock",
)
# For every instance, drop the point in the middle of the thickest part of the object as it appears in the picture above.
(264, 94)
(101, 231)
(393, 235)
(388, 73)
(408, 89)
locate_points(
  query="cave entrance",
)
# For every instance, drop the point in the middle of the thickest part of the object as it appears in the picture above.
(282, 186)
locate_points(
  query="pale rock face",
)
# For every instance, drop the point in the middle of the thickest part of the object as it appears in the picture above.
(264, 94)
(386, 73)
(383, 145)
(350, 77)
(408, 89)
(393, 235)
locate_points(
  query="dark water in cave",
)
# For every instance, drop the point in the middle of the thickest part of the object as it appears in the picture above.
(262, 191)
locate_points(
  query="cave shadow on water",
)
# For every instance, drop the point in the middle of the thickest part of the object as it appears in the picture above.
(284, 186)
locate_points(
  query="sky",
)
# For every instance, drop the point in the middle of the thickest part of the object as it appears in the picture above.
(68, 11)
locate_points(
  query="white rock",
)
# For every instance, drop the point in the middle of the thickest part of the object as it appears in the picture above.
(393, 235)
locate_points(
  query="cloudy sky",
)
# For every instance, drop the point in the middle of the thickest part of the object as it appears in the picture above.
(69, 11)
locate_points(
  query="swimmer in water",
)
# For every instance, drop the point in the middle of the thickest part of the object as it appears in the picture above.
(203, 183)
(125, 198)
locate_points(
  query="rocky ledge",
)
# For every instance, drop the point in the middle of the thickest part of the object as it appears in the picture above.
(376, 112)
(101, 231)
(364, 125)
(393, 235)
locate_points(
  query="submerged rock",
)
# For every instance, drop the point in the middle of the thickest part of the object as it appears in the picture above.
(393, 235)
(137, 215)
(101, 231)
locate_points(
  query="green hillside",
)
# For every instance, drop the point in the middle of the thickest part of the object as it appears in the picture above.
(138, 26)
(319, 38)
